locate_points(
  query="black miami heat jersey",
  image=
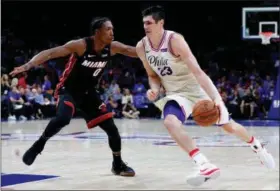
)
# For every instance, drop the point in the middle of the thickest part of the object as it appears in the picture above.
(82, 73)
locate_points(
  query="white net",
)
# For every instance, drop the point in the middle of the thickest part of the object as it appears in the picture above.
(266, 36)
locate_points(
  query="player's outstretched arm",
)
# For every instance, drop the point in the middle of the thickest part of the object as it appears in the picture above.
(120, 48)
(154, 80)
(182, 49)
(74, 46)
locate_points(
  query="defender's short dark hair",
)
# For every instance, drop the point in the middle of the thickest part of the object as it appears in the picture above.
(157, 12)
(97, 23)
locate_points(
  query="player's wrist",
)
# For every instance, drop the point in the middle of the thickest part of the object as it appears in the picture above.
(218, 100)
(155, 87)
(28, 66)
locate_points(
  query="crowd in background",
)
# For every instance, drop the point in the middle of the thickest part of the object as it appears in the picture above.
(243, 71)
(245, 95)
(123, 88)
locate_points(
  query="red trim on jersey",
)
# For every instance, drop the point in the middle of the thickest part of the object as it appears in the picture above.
(69, 67)
(170, 47)
(143, 41)
(70, 104)
(160, 44)
(99, 119)
(144, 46)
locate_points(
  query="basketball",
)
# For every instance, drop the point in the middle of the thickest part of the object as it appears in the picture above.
(205, 113)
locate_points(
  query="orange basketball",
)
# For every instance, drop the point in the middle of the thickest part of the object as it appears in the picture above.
(205, 113)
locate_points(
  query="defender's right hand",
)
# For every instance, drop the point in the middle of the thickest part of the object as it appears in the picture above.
(152, 94)
(18, 70)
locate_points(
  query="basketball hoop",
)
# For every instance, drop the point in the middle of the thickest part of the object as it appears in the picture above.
(266, 36)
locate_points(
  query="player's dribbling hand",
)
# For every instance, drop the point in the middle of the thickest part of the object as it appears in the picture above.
(22, 68)
(152, 94)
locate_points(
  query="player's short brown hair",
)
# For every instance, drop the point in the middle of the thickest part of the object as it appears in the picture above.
(157, 12)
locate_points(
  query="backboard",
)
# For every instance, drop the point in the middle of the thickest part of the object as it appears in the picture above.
(256, 20)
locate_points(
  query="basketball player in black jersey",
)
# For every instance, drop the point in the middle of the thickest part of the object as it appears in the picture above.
(89, 57)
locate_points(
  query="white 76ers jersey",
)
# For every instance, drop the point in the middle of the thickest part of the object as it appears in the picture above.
(175, 76)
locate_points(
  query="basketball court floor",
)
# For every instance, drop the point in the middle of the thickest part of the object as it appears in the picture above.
(78, 158)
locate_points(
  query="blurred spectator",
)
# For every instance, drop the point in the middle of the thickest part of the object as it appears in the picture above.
(29, 95)
(113, 87)
(247, 104)
(39, 97)
(127, 97)
(233, 103)
(5, 85)
(38, 102)
(269, 96)
(47, 85)
(129, 109)
(28, 107)
(14, 82)
(106, 90)
(43, 105)
(17, 103)
(139, 88)
(5, 103)
(267, 83)
(258, 89)
(259, 106)
(117, 96)
(22, 80)
(240, 90)
(114, 106)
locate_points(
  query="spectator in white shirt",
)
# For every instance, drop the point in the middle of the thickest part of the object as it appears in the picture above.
(129, 111)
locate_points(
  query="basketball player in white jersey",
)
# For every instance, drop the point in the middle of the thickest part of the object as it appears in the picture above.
(169, 62)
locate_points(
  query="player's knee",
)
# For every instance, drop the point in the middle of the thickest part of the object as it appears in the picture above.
(170, 121)
(63, 120)
(173, 114)
(110, 128)
(114, 132)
